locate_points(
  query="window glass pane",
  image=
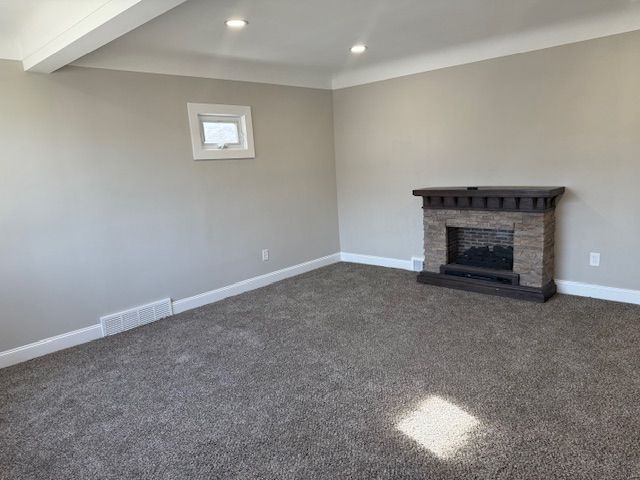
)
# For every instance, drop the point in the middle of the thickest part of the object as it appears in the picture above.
(218, 133)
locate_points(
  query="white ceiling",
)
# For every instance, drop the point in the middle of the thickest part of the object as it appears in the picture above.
(306, 42)
(48, 34)
(25, 24)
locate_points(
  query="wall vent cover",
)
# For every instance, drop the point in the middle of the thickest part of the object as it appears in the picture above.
(135, 317)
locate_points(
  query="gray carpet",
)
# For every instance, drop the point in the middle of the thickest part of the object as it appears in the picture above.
(345, 372)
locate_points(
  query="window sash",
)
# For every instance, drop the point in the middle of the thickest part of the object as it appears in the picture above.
(202, 119)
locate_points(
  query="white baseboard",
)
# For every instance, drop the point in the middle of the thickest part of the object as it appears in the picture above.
(566, 287)
(251, 284)
(378, 261)
(83, 335)
(49, 345)
(598, 291)
(71, 339)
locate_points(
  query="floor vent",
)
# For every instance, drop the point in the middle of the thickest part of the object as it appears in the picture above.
(135, 317)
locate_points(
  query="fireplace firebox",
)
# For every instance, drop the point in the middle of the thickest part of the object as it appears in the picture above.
(497, 240)
(480, 247)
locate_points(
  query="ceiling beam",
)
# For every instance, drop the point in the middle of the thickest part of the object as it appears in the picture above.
(110, 21)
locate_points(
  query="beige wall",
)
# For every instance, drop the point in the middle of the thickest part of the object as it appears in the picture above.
(102, 207)
(563, 116)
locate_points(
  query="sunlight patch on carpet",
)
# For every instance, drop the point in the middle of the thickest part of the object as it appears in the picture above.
(439, 426)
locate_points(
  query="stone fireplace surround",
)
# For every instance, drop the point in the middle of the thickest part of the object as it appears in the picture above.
(527, 211)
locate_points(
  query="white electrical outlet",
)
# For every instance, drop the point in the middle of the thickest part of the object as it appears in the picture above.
(594, 259)
(265, 254)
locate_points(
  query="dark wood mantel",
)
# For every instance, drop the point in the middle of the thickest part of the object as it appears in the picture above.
(515, 199)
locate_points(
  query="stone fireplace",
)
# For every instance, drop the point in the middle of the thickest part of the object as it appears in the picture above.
(497, 240)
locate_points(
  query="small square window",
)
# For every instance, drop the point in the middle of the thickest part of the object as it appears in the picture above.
(220, 131)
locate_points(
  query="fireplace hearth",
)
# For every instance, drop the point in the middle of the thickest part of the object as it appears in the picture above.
(497, 240)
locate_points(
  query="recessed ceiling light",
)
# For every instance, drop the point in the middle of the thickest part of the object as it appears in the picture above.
(360, 48)
(236, 23)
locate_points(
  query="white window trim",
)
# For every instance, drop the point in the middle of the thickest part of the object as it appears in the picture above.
(242, 114)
